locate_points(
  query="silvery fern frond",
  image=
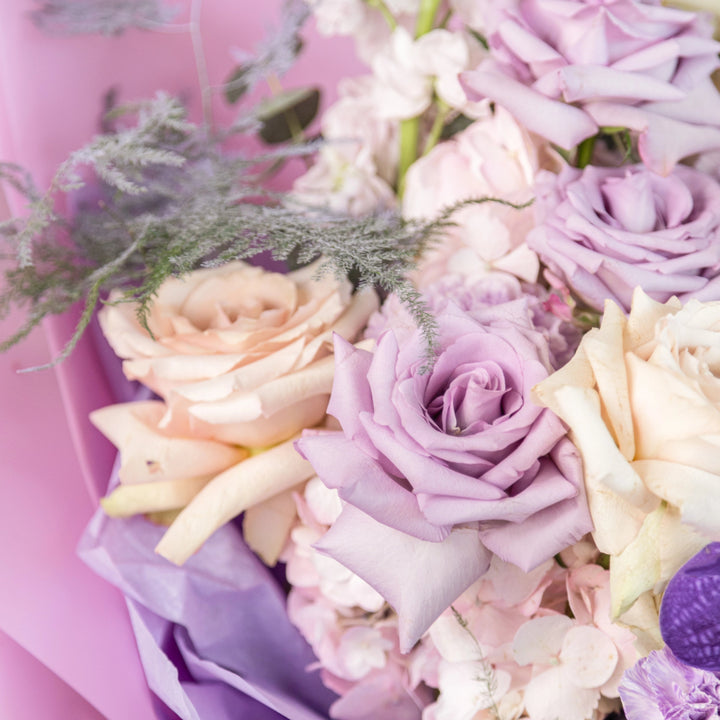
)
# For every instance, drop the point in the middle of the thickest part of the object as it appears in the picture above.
(105, 17)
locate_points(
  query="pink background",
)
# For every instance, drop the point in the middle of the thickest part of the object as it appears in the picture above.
(66, 647)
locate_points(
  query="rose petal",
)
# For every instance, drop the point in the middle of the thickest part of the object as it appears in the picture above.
(230, 493)
(148, 453)
(266, 525)
(564, 125)
(147, 497)
(397, 565)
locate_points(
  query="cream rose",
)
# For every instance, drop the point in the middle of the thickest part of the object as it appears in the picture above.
(242, 359)
(642, 399)
(239, 354)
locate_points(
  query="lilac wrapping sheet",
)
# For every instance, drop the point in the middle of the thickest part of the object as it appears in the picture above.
(214, 637)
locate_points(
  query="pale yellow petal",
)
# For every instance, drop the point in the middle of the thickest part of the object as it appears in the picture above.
(617, 497)
(245, 378)
(667, 407)
(576, 373)
(604, 351)
(271, 397)
(642, 619)
(266, 526)
(147, 497)
(230, 493)
(149, 453)
(663, 544)
(644, 316)
(693, 491)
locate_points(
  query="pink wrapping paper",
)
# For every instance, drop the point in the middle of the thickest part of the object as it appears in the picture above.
(65, 629)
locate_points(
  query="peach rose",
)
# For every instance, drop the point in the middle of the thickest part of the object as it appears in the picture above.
(642, 399)
(239, 354)
(242, 359)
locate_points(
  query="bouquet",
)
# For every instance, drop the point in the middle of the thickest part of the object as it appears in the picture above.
(415, 395)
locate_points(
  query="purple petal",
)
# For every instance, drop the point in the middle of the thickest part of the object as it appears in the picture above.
(690, 610)
(361, 481)
(564, 125)
(419, 579)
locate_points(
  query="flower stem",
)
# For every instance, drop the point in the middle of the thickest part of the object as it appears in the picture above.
(585, 151)
(385, 10)
(426, 17)
(437, 128)
(200, 62)
(409, 135)
(410, 128)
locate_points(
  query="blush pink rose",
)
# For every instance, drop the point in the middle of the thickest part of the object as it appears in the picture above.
(441, 469)
(605, 231)
(566, 69)
(239, 354)
(241, 357)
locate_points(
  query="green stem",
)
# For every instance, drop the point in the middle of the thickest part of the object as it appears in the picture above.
(585, 151)
(385, 10)
(426, 17)
(410, 129)
(437, 128)
(409, 135)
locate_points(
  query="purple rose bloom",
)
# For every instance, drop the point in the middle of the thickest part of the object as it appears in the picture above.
(607, 230)
(660, 687)
(564, 69)
(690, 610)
(440, 469)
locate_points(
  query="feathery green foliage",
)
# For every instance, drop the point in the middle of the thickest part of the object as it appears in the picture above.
(171, 200)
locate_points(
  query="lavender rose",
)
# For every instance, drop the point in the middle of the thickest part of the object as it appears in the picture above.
(440, 469)
(565, 69)
(660, 687)
(607, 230)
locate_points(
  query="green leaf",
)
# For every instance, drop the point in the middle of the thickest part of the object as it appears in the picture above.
(455, 126)
(480, 38)
(236, 86)
(286, 115)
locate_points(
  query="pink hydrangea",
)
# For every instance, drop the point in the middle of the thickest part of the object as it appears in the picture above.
(350, 629)
(494, 157)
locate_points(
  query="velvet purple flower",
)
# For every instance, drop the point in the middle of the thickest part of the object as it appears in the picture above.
(607, 230)
(440, 469)
(690, 610)
(660, 687)
(565, 69)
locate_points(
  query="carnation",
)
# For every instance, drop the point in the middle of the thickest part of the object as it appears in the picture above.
(660, 687)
